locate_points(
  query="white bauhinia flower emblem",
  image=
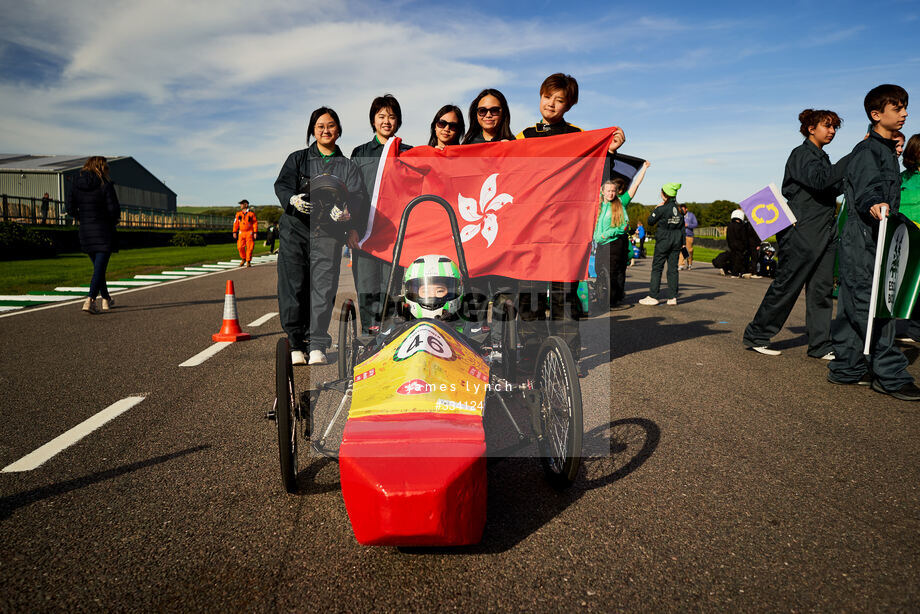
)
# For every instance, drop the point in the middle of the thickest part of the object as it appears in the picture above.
(482, 214)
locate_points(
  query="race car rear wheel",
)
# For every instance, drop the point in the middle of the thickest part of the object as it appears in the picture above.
(561, 421)
(348, 339)
(287, 415)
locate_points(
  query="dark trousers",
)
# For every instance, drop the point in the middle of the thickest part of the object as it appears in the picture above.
(371, 275)
(662, 256)
(848, 331)
(564, 313)
(801, 265)
(613, 257)
(497, 289)
(308, 278)
(97, 284)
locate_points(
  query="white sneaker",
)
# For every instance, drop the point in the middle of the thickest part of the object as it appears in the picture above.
(681, 267)
(89, 306)
(298, 358)
(829, 356)
(648, 300)
(672, 301)
(756, 277)
(317, 358)
(762, 349)
(722, 272)
(107, 303)
(746, 276)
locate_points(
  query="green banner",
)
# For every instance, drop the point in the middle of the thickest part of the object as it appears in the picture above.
(899, 275)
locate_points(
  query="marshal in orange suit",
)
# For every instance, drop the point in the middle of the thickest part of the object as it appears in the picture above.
(245, 227)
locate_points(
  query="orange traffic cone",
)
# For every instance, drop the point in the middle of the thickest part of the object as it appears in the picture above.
(231, 329)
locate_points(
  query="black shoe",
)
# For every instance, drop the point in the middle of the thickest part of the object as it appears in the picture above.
(865, 380)
(907, 392)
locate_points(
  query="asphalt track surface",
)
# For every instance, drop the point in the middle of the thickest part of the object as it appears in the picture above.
(717, 479)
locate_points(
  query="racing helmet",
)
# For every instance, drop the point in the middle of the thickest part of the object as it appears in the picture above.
(324, 192)
(433, 287)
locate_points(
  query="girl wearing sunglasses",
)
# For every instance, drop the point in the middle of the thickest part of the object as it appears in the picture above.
(446, 127)
(490, 118)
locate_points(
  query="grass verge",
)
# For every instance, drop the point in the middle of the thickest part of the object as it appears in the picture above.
(23, 276)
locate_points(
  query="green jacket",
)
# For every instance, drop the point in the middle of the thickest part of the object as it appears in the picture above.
(910, 195)
(604, 232)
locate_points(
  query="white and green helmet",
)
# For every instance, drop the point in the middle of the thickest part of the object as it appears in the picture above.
(433, 287)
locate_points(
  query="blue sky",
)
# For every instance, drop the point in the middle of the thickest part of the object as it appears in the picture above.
(211, 97)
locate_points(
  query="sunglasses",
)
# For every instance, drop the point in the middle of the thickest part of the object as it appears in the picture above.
(483, 111)
(446, 124)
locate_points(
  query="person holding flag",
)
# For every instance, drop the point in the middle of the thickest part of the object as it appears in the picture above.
(873, 186)
(558, 94)
(810, 185)
(371, 273)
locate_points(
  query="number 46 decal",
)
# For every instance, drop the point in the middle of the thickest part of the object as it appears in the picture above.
(424, 339)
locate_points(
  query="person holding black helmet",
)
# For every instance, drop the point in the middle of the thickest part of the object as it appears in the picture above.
(320, 190)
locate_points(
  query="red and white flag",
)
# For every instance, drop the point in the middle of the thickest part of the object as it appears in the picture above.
(526, 208)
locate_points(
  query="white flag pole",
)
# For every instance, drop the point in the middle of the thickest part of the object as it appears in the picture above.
(873, 296)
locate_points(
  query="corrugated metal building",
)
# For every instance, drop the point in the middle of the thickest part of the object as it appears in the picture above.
(30, 176)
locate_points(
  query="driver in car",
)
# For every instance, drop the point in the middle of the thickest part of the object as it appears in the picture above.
(433, 288)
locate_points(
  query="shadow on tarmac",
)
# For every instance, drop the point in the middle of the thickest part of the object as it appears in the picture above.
(13, 502)
(521, 501)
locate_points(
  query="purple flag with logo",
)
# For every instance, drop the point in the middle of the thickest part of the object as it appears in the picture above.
(768, 212)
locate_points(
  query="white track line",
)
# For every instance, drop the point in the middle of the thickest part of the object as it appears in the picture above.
(61, 442)
(263, 319)
(39, 298)
(202, 356)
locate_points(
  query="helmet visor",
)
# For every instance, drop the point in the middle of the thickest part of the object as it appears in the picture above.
(432, 292)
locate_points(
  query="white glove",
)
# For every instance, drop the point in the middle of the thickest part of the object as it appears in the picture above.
(301, 204)
(339, 215)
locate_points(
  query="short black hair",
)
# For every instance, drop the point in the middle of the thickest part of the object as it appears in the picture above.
(880, 97)
(387, 101)
(564, 83)
(315, 115)
(433, 139)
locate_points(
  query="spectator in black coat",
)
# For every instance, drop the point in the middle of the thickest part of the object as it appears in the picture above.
(739, 245)
(92, 201)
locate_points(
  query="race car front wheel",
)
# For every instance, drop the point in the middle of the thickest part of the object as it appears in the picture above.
(287, 415)
(348, 339)
(561, 420)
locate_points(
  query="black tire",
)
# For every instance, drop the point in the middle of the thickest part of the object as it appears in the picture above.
(510, 339)
(348, 339)
(602, 292)
(287, 415)
(561, 420)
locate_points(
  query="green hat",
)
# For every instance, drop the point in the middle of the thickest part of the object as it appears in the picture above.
(670, 189)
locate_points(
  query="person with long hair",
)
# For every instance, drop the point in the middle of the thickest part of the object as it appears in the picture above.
(447, 127)
(807, 249)
(370, 273)
(611, 235)
(490, 122)
(93, 202)
(610, 257)
(321, 191)
(490, 118)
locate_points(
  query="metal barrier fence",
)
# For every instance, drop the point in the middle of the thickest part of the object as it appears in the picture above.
(28, 210)
(716, 232)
